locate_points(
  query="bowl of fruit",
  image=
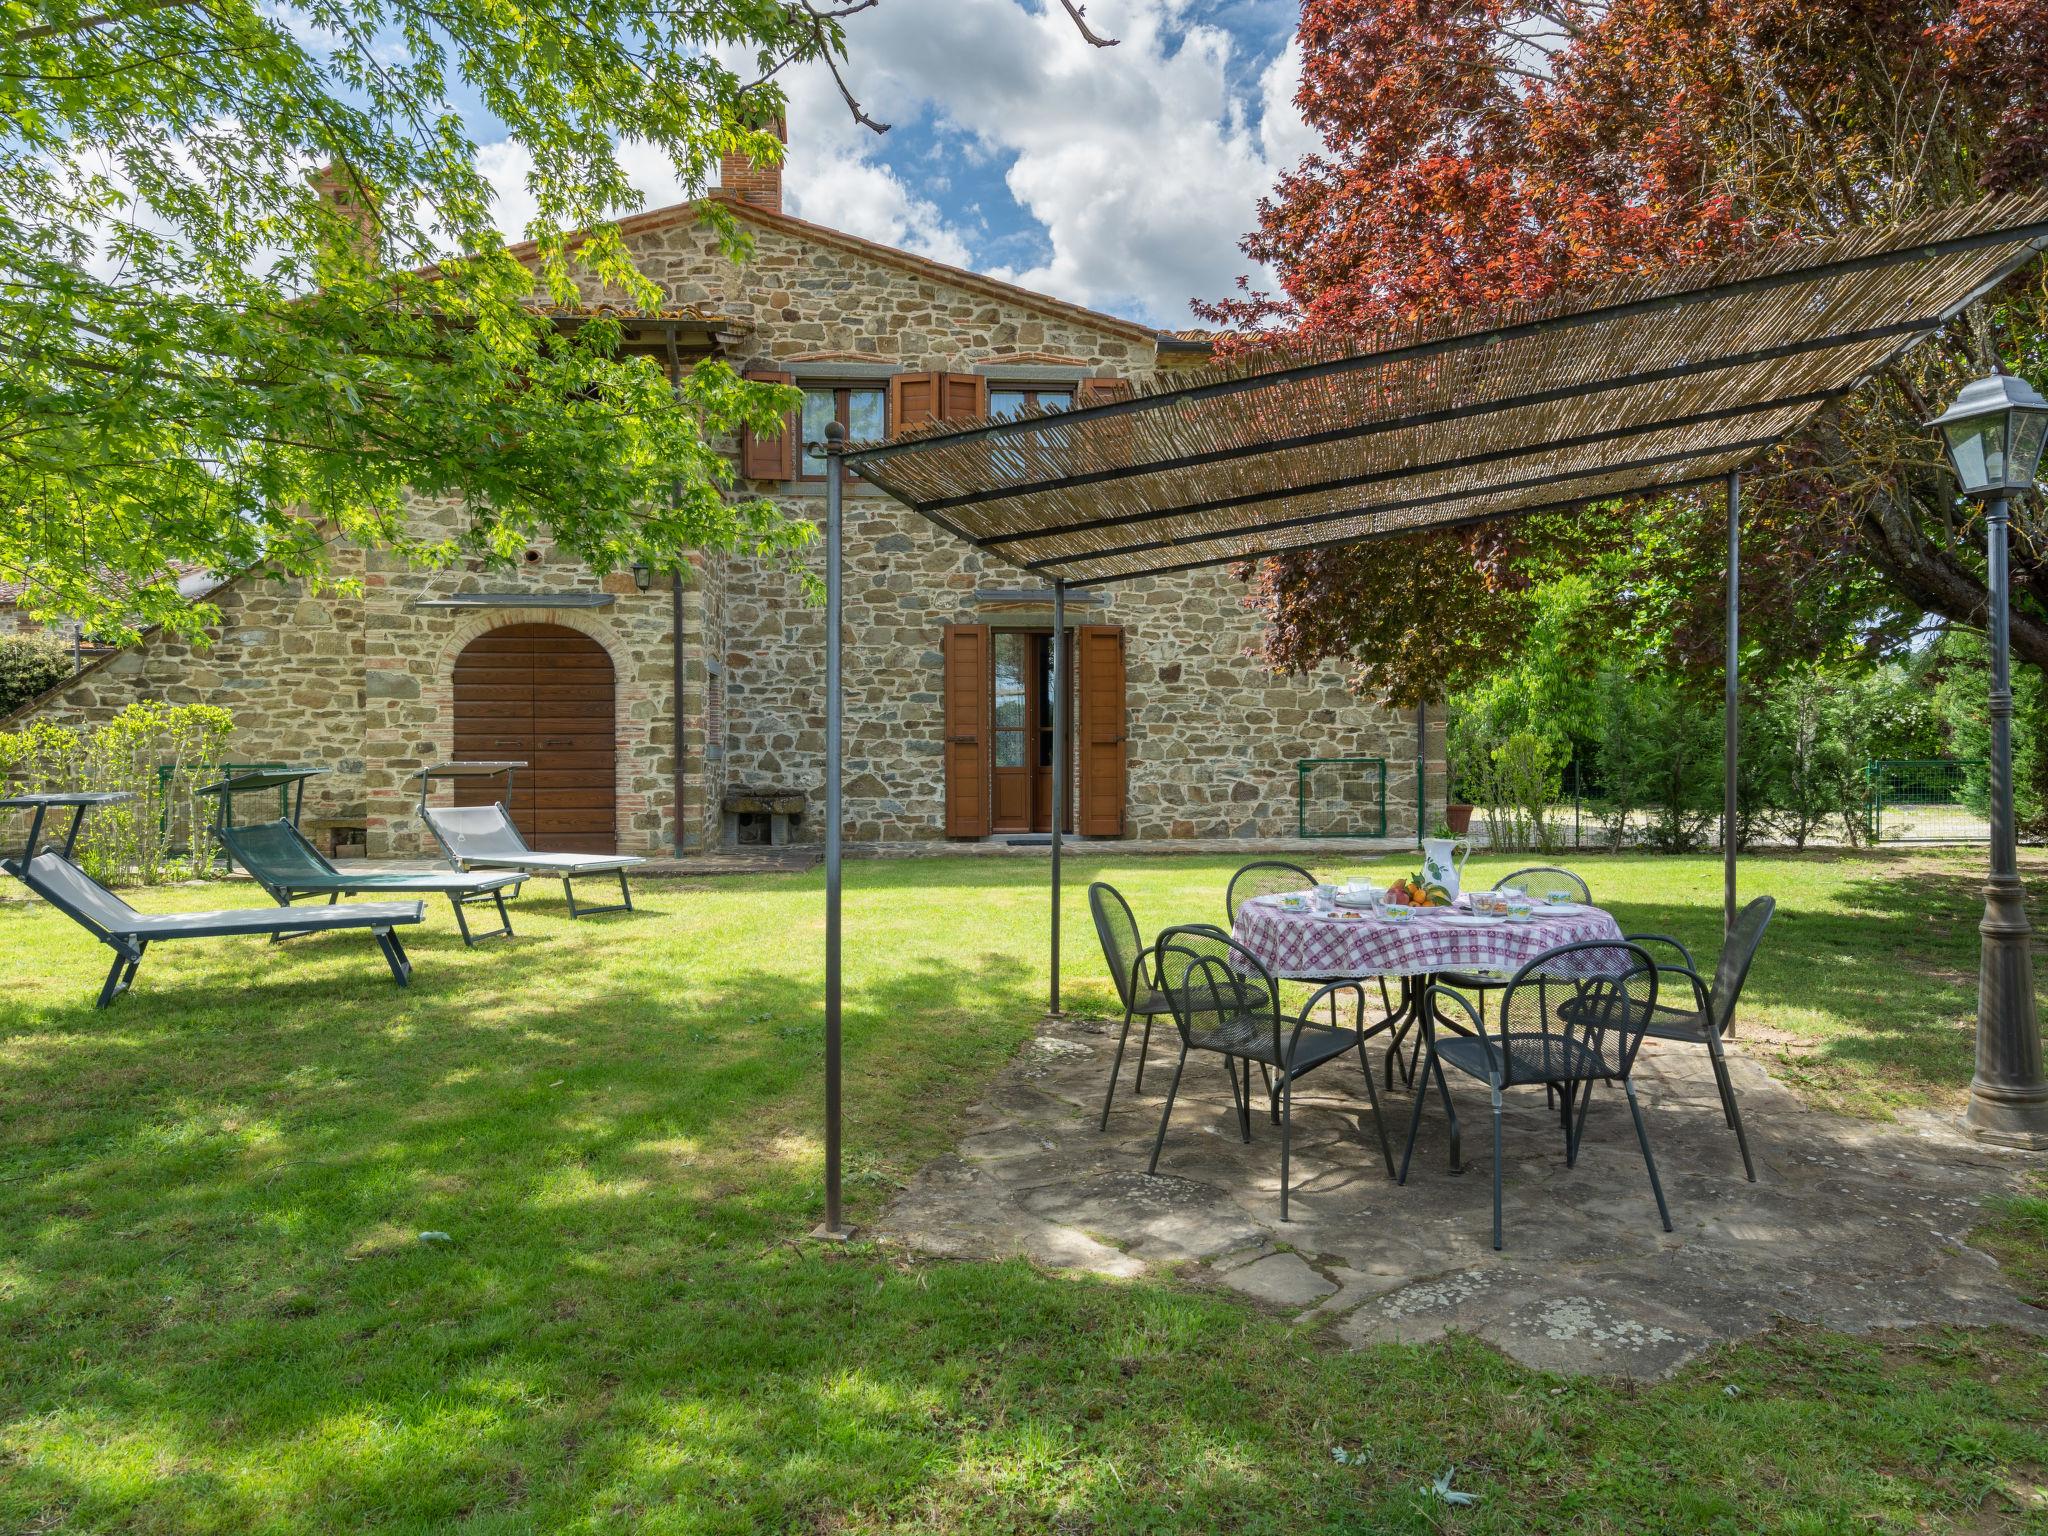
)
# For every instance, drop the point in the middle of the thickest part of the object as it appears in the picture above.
(1414, 891)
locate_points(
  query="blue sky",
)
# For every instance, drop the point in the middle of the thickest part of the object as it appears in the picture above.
(1120, 178)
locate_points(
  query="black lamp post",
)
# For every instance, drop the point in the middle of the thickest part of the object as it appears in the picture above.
(1994, 433)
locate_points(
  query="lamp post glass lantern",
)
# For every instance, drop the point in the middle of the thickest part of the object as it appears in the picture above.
(1994, 433)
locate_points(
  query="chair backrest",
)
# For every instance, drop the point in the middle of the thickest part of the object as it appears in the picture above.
(474, 831)
(1123, 948)
(1732, 970)
(276, 853)
(1222, 997)
(1600, 993)
(1540, 879)
(78, 896)
(1265, 877)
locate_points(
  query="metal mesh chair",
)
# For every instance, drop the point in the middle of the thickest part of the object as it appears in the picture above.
(1710, 1016)
(1275, 877)
(1224, 1001)
(1482, 981)
(1132, 968)
(1265, 877)
(1572, 1017)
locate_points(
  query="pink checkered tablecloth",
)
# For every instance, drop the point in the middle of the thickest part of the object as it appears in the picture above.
(1311, 945)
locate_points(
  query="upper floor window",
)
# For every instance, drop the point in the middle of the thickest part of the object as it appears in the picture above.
(860, 408)
(1014, 402)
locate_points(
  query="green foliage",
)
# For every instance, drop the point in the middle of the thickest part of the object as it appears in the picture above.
(1520, 790)
(210, 365)
(158, 753)
(1962, 698)
(1641, 743)
(30, 665)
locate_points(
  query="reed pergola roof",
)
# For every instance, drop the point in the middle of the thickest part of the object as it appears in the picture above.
(1654, 384)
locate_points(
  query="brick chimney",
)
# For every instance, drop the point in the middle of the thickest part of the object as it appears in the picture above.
(760, 185)
(338, 190)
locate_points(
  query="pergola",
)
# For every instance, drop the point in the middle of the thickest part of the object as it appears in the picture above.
(1672, 381)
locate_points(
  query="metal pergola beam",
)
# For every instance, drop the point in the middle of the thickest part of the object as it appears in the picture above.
(1437, 416)
(1410, 471)
(1440, 498)
(1685, 483)
(2034, 231)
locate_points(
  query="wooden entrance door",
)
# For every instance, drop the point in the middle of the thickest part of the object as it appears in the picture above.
(1021, 731)
(998, 707)
(542, 695)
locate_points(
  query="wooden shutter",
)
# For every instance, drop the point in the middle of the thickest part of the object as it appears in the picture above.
(964, 397)
(1099, 668)
(770, 458)
(915, 398)
(966, 651)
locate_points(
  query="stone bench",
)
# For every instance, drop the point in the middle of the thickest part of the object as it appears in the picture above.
(762, 816)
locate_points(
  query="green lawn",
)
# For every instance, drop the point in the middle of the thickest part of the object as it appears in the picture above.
(217, 1312)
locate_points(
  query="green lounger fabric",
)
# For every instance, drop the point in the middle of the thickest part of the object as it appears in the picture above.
(281, 859)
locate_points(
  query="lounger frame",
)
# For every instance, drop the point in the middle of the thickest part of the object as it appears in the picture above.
(130, 944)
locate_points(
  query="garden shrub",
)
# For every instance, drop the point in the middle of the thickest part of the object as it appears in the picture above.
(30, 665)
(160, 754)
(1520, 791)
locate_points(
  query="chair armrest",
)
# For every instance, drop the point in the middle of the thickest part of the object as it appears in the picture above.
(1684, 954)
(1701, 997)
(1322, 994)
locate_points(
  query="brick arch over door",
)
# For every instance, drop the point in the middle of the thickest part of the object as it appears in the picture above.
(545, 695)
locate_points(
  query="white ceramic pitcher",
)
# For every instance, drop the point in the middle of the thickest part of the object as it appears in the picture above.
(1443, 862)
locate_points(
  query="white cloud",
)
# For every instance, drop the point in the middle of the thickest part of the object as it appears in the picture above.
(1142, 164)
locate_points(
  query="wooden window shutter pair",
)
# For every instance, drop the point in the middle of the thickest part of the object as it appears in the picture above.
(772, 457)
(915, 398)
(1100, 754)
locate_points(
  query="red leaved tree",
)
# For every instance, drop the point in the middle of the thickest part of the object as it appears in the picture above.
(1480, 152)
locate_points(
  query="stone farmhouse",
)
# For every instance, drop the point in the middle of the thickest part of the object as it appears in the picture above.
(675, 712)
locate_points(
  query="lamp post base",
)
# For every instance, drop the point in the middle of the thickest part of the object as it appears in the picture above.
(2008, 1094)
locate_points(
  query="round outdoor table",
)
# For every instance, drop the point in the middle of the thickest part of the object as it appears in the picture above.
(1322, 946)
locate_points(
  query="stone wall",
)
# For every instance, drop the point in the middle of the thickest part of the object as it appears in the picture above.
(285, 664)
(408, 659)
(1213, 736)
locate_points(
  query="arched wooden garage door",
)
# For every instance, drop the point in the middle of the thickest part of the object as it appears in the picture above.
(542, 695)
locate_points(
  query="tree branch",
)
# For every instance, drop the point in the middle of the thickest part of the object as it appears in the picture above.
(1088, 35)
(93, 23)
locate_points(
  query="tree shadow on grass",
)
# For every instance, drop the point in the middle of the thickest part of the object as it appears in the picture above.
(224, 1276)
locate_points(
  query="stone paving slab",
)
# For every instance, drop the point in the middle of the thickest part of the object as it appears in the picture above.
(1851, 1224)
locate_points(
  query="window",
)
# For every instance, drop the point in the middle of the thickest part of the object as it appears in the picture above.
(1014, 402)
(856, 407)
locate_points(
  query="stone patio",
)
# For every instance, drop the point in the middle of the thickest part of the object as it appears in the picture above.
(1851, 1224)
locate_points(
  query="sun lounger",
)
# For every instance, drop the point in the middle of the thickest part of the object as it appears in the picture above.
(484, 837)
(280, 859)
(129, 933)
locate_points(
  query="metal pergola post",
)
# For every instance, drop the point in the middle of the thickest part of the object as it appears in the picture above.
(2008, 1095)
(834, 1225)
(1731, 729)
(1060, 687)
